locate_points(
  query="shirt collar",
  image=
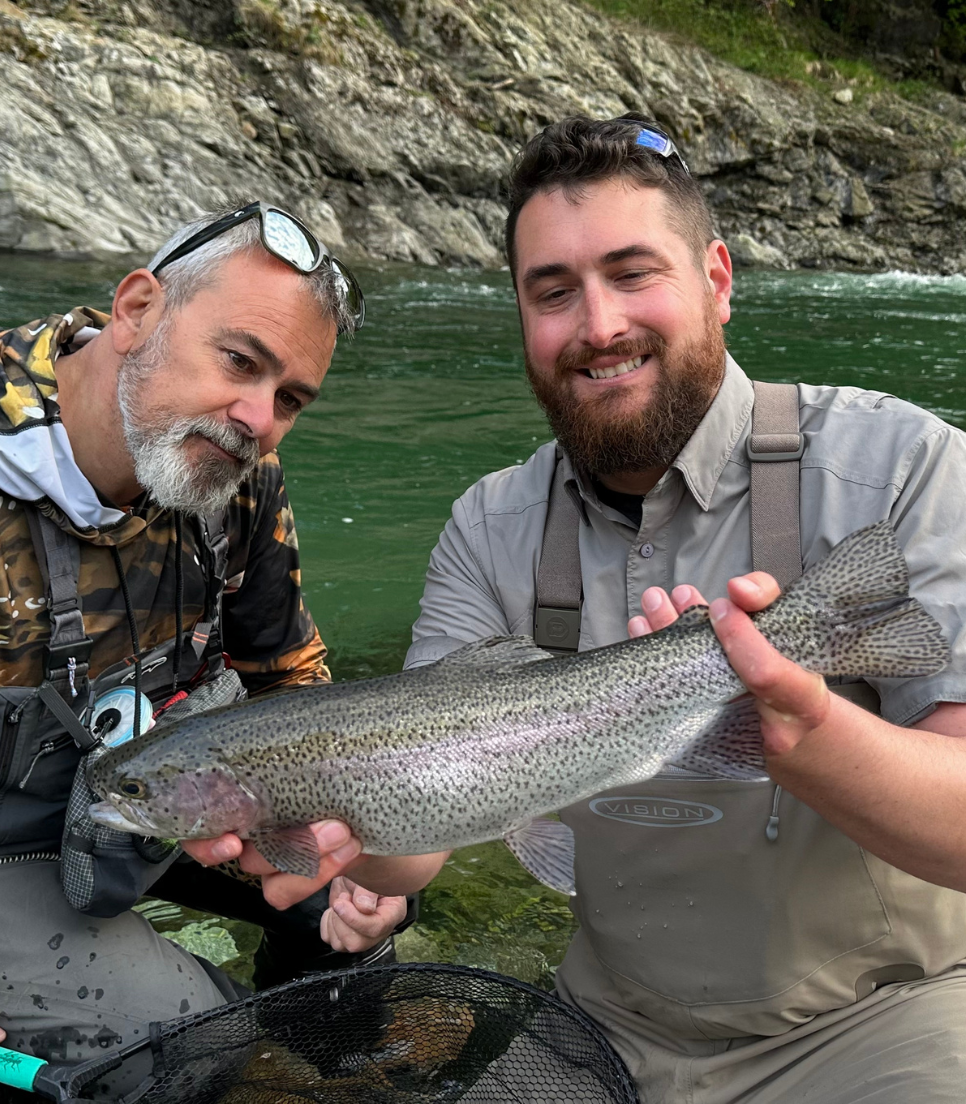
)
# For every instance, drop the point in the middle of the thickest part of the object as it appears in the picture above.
(703, 458)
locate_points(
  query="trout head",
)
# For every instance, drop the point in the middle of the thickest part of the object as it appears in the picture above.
(170, 801)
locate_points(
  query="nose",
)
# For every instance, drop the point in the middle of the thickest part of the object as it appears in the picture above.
(254, 414)
(604, 316)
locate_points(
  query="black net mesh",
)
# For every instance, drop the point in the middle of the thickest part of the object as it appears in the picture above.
(410, 1033)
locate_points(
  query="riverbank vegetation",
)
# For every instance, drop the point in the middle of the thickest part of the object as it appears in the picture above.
(913, 46)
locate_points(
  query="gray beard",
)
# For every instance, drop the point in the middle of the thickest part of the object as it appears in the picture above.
(156, 443)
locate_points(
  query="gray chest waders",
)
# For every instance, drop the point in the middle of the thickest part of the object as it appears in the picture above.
(47, 745)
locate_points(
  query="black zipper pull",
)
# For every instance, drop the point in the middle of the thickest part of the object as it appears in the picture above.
(45, 748)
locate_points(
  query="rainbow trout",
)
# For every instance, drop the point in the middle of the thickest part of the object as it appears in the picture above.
(480, 744)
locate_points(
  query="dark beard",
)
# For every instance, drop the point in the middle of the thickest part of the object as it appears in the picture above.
(605, 440)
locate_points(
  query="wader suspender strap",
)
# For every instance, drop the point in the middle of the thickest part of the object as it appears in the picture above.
(207, 632)
(68, 651)
(775, 447)
(556, 617)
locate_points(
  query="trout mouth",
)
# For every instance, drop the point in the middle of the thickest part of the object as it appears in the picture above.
(107, 815)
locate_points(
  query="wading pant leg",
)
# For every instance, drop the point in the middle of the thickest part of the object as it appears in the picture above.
(905, 1043)
(72, 986)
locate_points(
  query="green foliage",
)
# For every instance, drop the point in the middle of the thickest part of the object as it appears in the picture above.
(817, 42)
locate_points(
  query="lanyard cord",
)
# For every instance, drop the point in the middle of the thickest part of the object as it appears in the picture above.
(135, 639)
(178, 598)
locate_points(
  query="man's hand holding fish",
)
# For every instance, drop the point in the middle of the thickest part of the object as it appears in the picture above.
(339, 852)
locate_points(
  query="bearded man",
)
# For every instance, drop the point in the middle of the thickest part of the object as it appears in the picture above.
(146, 535)
(797, 938)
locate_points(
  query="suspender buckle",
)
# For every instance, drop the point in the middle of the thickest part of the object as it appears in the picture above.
(59, 659)
(556, 629)
(774, 448)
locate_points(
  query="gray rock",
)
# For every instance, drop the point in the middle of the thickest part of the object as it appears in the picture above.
(749, 253)
(390, 125)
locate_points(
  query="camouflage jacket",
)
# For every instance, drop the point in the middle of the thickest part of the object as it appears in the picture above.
(267, 631)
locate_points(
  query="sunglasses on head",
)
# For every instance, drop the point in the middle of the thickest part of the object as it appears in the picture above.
(285, 237)
(653, 139)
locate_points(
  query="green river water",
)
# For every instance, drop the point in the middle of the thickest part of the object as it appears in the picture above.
(429, 397)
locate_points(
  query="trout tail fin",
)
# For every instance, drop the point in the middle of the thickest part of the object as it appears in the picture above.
(852, 614)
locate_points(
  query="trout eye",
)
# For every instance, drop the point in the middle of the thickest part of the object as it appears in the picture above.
(131, 787)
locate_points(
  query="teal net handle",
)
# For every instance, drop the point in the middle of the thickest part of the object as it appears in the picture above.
(19, 1070)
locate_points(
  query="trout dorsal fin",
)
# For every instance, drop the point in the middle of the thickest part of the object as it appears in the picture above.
(496, 651)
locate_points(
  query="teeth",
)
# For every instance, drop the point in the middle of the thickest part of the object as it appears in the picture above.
(617, 370)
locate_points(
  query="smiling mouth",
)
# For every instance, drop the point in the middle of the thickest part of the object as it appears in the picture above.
(621, 369)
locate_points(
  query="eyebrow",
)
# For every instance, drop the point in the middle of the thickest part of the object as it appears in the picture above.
(543, 272)
(271, 358)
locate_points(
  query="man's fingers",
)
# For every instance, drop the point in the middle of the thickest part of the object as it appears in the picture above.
(753, 592)
(683, 597)
(345, 928)
(376, 925)
(210, 852)
(790, 698)
(658, 608)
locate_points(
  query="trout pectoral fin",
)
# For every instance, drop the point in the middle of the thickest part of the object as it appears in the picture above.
(291, 850)
(729, 746)
(546, 849)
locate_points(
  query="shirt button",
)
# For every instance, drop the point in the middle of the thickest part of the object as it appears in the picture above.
(647, 550)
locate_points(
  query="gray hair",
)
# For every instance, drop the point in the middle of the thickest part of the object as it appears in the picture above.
(184, 278)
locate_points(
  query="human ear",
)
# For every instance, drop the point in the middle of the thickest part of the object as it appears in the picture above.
(137, 309)
(718, 271)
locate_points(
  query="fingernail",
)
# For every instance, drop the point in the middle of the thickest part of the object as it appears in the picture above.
(331, 834)
(718, 609)
(366, 903)
(347, 851)
(652, 599)
(638, 626)
(223, 851)
(681, 594)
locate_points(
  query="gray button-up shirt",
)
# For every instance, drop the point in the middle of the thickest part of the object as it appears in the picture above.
(868, 456)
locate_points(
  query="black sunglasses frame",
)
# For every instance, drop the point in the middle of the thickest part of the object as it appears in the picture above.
(259, 210)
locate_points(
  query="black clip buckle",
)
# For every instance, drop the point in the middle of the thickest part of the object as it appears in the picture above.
(555, 629)
(59, 656)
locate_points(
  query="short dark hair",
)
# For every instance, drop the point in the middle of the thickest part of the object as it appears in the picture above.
(578, 151)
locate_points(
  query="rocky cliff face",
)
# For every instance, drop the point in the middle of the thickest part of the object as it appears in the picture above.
(389, 124)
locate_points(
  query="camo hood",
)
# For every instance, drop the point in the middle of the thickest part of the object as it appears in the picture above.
(36, 461)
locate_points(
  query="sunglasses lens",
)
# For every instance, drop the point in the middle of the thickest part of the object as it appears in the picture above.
(660, 143)
(286, 239)
(351, 293)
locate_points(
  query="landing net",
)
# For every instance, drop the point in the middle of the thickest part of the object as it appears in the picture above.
(411, 1033)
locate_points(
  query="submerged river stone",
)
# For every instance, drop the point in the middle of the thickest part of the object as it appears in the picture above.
(390, 127)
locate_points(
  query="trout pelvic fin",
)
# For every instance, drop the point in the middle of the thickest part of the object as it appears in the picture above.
(852, 614)
(545, 848)
(291, 850)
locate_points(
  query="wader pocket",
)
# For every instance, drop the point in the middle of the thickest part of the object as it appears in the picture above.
(689, 904)
(104, 872)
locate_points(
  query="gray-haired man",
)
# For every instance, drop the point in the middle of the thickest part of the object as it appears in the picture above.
(145, 532)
